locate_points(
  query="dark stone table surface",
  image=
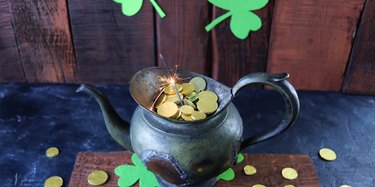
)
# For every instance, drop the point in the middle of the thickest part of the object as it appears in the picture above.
(34, 117)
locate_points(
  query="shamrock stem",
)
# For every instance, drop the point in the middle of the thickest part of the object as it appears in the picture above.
(217, 21)
(158, 8)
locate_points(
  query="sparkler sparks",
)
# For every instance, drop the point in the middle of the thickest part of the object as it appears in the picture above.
(171, 78)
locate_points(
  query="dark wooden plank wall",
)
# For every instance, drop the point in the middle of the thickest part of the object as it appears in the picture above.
(234, 58)
(360, 77)
(181, 37)
(110, 47)
(44, 40)
(79, 41)
(10, 62)
(311, 40)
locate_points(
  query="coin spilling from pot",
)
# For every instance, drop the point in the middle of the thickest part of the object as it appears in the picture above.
(189, 101)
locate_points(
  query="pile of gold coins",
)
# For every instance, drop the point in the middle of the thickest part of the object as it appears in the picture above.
(197, 102)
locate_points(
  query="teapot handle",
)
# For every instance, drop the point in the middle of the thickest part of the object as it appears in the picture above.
(279, 83)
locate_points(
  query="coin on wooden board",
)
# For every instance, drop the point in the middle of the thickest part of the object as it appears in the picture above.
(97, 177)
(249, 170)
(199, 83)
(54, 181)
(52, 152)
(289, 173)
(327, 154)
(167, 109)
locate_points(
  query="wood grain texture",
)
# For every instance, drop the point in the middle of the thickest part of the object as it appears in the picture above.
(11, 69)
(109, 46)
(234, 58)
(181, 37)
(311, 40)
(44, 40)
(360, 76)
(268, 166)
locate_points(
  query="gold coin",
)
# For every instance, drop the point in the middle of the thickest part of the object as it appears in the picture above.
(199, 83)
(187, 88)
(249, 170)
(327, 154)
(344, 185)
(192, 97)
(52, 152)
(196, 115)
(289, 173)
(186, 110)
(207, 106)
(161, 99)
(178, 115)
(187, 102)
(258, 185)
(186, 117)
(54, 181)
(170, 89)
(97, 177)
(208, 95)
(289, 185)
(175, 100)
(167, 109)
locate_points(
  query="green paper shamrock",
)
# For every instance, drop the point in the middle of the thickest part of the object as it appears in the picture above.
(132, 7)
(130, 174)
(229, 174)
(243, 20)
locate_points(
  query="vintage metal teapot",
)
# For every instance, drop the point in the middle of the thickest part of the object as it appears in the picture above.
(185, 153)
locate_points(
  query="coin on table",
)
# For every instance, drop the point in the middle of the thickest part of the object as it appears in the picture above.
(289, 185)
(258, 185)
(97, 177)
(327, 154)
(249, 170)
(186, 117)
(171, 90)
(207, 106)
(187, 88)
(167, 109)
(54, 181)
(52, 152)
(197, 115)
(199, 83)
(289, 173)
(208, 95)
(186, 110)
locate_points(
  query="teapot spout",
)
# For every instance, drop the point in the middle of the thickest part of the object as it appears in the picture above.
(116, 126)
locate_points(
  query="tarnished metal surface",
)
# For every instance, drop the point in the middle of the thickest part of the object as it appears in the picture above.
(190, 153)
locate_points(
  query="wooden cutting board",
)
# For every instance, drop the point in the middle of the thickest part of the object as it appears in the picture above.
(268, 166)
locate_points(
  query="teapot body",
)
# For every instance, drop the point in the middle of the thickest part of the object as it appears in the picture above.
(183, 153)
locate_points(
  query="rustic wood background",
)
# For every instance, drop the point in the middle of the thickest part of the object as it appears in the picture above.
(323, 45)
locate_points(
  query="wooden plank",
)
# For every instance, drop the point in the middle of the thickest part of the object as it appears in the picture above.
(311, 40)
(268, 166)
(360, 76)
(44, 40)
(181, 36)
(234, 58)
(10, 64)
(109, 46)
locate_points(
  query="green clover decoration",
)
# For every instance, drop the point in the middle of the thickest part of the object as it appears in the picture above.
(229, 175)
(132, 7)
(130, 174)
(242, 19)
